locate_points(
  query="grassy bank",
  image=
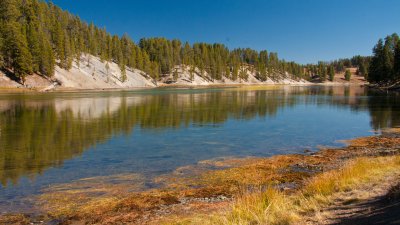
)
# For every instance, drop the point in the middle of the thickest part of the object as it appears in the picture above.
(276, 207)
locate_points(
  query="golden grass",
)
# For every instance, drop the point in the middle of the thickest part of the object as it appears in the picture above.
(275, 207)
(357, 171)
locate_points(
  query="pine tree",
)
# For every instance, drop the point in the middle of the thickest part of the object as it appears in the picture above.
(46, 59)
(66, 62)
(243, 73)
(1, 51)
(322, 71)
(387, 60)
(347, 75)
(331, 73)
(146, 63)
(139, 59)
(375, 69)
(262, 72)
(396, 66)
(235, 72)
(123, 72)
(22, 58)
(187, 54)
(132, 57)
(227, 73)
(17, 50)
(33, 34)
(58, 40)
(154, 73)
(363, 70)
(192, 70)
(15, 47)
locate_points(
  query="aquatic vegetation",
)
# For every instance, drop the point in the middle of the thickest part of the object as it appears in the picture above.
(89, 194)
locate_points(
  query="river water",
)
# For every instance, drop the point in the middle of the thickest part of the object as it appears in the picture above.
(56, 138)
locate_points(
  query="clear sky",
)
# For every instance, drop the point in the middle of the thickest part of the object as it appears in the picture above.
(301, 30)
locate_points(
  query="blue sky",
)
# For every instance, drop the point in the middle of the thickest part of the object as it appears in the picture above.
(301, 30)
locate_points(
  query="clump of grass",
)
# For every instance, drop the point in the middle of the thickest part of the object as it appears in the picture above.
(269, 207)
(316, 193)
(357, 171)
(275, 207)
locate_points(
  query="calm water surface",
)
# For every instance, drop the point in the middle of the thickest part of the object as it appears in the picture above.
(54, 138)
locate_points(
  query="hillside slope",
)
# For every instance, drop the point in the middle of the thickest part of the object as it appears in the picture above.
(92, 73)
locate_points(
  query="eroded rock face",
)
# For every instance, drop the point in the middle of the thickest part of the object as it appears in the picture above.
(91, 73)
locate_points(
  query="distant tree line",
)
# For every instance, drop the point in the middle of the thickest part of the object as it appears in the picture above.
(327, 70)
(36, 36)
(385, 62)
(382, 67)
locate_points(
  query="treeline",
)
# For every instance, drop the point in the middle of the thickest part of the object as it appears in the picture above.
(36, 36)
(327, 70)
(217, 60)
(385, 62)
(360, 62)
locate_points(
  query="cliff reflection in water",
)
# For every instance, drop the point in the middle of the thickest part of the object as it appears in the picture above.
(41, 131)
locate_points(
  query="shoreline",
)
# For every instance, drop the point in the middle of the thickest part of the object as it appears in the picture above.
(393, 87)
(165, 86)
(193, 191)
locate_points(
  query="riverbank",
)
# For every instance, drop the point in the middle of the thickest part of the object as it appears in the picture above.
(228, 189)
(171, 86)
(53, 86)
(392, 86)
(255, 86)
(91, 73)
